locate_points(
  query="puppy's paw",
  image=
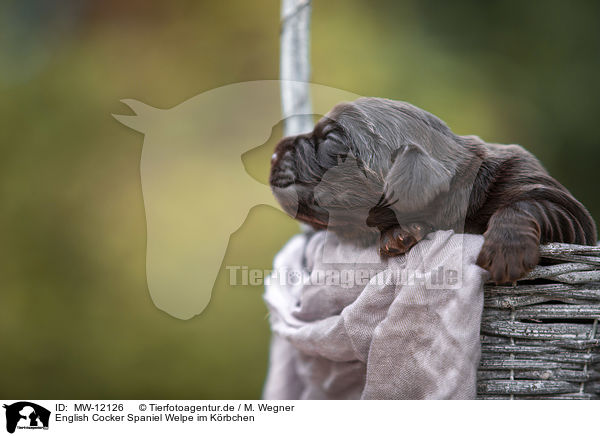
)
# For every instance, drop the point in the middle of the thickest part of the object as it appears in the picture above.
(398, 240)
(508, 255)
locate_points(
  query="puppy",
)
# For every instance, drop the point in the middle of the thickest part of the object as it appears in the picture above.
(400, 172)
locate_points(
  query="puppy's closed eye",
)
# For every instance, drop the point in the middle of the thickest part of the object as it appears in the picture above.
(415, 178)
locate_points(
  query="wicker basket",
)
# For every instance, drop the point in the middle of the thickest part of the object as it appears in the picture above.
(541, 338)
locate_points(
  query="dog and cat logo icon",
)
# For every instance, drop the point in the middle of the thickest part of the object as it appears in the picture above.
(26, 415)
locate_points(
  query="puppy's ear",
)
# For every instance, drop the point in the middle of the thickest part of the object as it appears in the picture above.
(415, 178)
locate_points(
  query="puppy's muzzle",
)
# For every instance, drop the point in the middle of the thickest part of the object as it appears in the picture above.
(283, 166)
(283, 170)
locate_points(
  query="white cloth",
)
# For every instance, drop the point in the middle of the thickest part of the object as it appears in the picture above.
(351, 326)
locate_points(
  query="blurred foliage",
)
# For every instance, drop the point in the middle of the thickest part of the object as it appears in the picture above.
(75, 314)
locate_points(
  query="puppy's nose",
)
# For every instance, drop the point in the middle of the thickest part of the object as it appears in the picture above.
(282, 169)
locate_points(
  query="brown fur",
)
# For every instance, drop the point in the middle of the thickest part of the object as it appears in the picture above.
(404, 173)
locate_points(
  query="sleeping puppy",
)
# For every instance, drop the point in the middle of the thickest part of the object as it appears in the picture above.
(390, 173)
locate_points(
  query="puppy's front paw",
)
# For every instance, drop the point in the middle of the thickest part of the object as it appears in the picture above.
(398, 240)
(508, 256)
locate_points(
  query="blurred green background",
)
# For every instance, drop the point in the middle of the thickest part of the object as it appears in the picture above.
(76, 319)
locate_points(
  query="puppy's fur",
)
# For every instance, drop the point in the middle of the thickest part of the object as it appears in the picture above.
(389, 170)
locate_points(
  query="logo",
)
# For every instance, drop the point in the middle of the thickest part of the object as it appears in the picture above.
(197, 191)
(26, 415)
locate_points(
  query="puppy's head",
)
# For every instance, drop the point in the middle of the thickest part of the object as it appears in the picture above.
(367, 165)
